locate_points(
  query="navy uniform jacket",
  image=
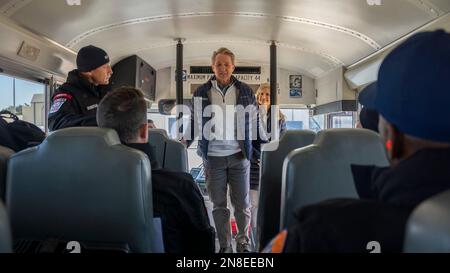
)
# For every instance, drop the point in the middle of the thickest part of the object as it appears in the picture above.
(75, 103)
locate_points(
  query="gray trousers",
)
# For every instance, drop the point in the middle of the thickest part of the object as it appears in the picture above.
(220, 172)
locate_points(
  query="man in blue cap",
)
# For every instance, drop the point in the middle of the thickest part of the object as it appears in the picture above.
(412, 97)
(75, 102)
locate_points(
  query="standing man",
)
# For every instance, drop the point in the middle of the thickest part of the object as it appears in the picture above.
(75, 102)
(226, 150)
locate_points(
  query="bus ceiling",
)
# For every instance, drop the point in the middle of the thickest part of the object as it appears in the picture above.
(314, 38)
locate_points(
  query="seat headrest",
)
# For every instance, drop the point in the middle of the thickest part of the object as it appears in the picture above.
(292, 138)
(87, 135)
(346, 138)
(294, 135)
(82, 185)
(304, 180)
(158, 131)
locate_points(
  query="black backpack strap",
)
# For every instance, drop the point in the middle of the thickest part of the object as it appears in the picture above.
(8, 115)
(6, 139)
(18, 134)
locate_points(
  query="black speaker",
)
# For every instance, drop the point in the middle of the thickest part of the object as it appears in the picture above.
(135, 72)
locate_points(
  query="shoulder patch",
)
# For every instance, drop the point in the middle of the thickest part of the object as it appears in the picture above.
(63, 95)
(58, 101)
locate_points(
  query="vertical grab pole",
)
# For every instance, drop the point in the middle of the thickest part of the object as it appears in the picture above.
(179, 86)
(274, 92)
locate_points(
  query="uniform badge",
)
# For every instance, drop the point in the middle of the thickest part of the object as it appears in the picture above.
(58, 102)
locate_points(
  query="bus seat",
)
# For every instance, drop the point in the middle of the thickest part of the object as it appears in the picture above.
(322, 171)
(158, 138)
(428, 227)
(5, 154)
(82, 184)
(161, 132)
(272, 156)
(170, 154)
(5, 233)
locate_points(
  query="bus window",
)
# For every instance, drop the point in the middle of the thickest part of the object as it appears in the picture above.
(301, 119)
(341, 120)
(317, 123)
(23, 98)
(296, 119)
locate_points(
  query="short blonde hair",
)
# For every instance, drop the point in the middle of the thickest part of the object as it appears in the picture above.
(224, 51)
(262, 87)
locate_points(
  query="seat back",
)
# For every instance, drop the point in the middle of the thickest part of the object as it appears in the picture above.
(82, 185)
(170, 154)
(5, 154)
(323, 170)
(158, 138)
(272, 157)
(428, 227)
(5, 233)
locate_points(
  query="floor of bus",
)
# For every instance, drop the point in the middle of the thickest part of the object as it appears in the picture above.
(209, 208)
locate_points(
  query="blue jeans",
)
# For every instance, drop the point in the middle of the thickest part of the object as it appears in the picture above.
(233, 170)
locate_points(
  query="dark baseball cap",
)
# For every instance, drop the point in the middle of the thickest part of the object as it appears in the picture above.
(90, 57)
(413, 87)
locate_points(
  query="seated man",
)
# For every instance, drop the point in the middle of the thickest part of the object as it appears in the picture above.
(415, 128)
(151, 124)
(176, 197)
(368, 118)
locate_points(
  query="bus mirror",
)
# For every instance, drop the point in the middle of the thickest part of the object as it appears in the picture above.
(166, 106)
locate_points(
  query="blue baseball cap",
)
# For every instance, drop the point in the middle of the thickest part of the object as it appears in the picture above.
(413, 87)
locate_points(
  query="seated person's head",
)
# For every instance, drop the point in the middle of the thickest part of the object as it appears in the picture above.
(151, 124)
(368, 118)
(412, 96)
(125, 110)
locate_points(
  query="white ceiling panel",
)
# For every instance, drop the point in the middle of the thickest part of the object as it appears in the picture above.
(313, 35)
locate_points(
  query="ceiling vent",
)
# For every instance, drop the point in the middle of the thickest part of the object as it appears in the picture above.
(29, 52)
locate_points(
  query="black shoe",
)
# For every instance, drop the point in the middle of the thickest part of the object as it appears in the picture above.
(243, 248)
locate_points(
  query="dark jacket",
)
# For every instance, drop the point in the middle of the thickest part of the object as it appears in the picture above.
(419, 177)
(245, 97)
(75, 103)
(177, 200)
(388, 197)
(256, 158)
(347, 226)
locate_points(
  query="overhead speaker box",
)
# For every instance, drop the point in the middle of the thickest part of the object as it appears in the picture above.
(135, 72)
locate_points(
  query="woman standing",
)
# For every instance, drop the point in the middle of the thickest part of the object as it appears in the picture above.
(263, 100)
